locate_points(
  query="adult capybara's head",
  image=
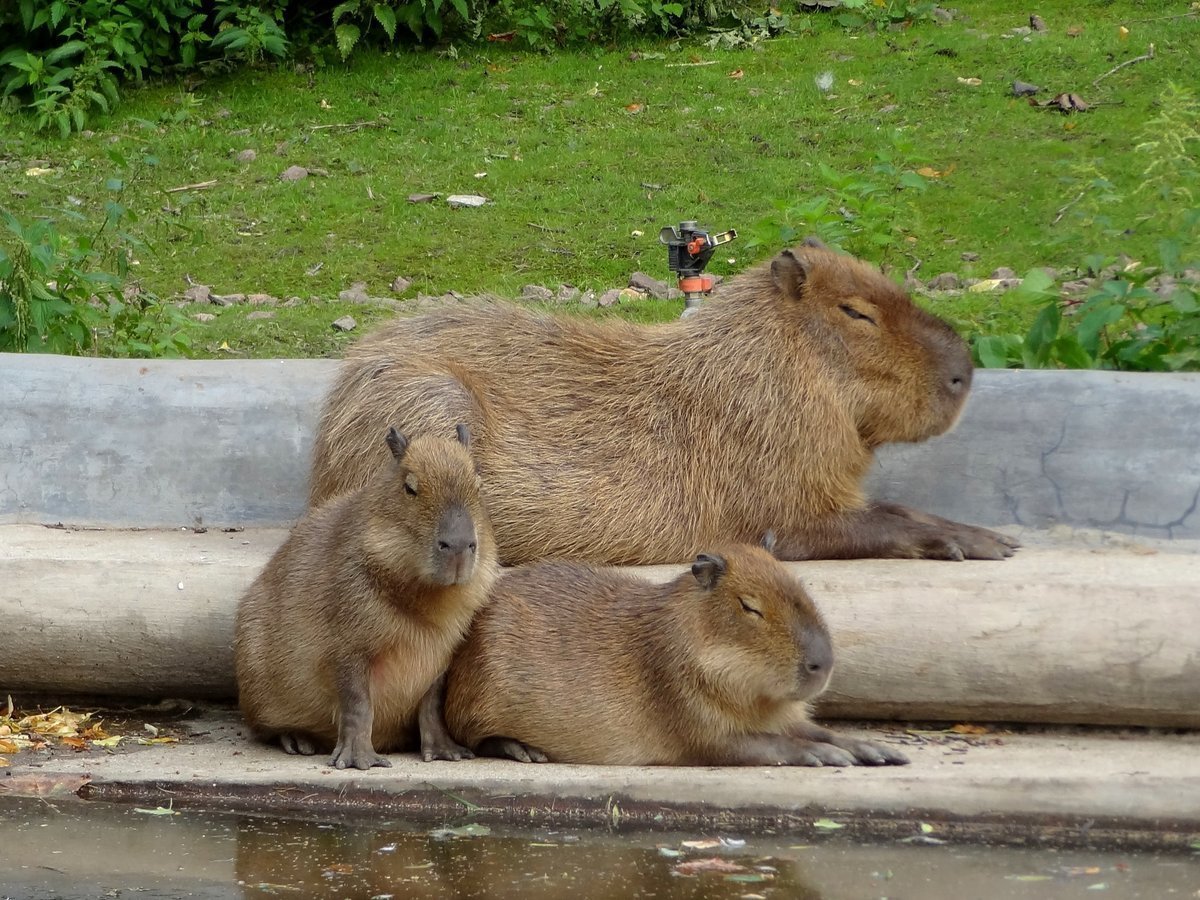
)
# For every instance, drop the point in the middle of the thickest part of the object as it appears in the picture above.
(425, 512)
(764, 640)
(906, 372)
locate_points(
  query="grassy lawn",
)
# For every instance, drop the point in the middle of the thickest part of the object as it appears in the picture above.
(588, 154)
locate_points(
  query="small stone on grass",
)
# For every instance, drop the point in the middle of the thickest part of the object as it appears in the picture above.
(345, 323)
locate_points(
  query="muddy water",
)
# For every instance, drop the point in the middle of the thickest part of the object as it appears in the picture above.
(56, 849)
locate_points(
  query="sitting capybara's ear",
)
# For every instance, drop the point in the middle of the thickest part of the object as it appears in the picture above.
(768, 541)
(813, 241)
(464, 434)
(397, 443)
(789, 272)
(708, 569)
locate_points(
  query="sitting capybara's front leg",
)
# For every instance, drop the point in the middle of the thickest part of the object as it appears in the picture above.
(889, 530)
(355, 721)
(436, 742)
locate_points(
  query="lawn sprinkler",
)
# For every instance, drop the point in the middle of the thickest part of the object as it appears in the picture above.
(688, 251)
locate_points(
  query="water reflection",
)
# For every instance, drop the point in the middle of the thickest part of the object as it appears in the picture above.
(276, 857)
(55, 850)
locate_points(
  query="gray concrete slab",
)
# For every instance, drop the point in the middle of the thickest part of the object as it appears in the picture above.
(168, 443)
(1074, 786)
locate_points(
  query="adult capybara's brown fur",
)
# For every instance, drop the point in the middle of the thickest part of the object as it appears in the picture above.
(580, 664)
(621, 443)
(355, 617)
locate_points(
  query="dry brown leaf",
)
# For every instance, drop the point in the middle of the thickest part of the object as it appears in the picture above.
(634, 108)
(970, 729)
(37, 785)
(3, 762)
(7, 746)
(710, 864)
(75, 743)
(973, 82)
(737, 73)
(1075, 31)
(705, 844)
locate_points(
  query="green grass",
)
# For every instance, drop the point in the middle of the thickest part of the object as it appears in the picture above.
(573, 173)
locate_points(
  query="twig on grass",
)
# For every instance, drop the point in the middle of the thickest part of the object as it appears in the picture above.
(198, 186)
(1062, 210)
(351, 126)
(1149, 54)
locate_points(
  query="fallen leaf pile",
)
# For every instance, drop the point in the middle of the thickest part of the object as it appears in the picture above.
(63, 727)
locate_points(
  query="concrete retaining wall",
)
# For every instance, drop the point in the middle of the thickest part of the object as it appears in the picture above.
(169, 443)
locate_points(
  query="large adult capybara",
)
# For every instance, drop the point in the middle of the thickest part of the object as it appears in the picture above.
(343, 640)
(620, 443)
(581, 664)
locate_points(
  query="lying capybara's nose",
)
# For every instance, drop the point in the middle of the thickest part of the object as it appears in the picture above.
(817, 651)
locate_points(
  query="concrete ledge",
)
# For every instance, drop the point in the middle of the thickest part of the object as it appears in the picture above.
(1071, 632)
(1079, 787)
(168, 443)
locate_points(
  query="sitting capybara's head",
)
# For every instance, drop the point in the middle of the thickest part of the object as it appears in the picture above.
(425, 513)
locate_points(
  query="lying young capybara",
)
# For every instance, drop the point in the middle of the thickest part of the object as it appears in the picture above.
(621, 443)
(579, 664)
(343, 640)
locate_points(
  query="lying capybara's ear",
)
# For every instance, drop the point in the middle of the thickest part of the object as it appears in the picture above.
(768, 541)
(708, 569)
(397, 443)
(789, 272)
(464, 434)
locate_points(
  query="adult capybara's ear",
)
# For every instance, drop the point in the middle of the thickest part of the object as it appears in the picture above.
(789, 272)
(464, 434)
(397, 443)
(708, 569)
(813, 241)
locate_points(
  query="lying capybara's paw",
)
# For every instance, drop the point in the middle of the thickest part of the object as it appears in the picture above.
(507, 748)
(816, 753)
(295, 743)
(983, 543)
(869, 753)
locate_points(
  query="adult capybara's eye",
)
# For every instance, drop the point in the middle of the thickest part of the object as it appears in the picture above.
(855, 314)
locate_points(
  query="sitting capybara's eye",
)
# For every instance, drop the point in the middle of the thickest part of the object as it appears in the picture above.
(855, 314)
(750, 609)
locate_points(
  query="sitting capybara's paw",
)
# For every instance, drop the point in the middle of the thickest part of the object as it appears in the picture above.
(297, 743)
(357, 754)
(444, 749)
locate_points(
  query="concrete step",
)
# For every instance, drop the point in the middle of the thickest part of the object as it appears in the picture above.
(1065, 786)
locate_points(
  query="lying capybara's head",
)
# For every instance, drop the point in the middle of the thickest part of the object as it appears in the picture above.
(906, 372)
(764, 641)
(425, 513)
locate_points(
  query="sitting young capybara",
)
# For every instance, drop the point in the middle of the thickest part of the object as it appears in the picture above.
(578, 664)
(343, 640)
(620, 443)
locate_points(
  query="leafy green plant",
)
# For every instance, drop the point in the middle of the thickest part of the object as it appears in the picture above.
(1133, 316)
(67, 59)
(881, 13)
(867, 213)
(74, 295)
